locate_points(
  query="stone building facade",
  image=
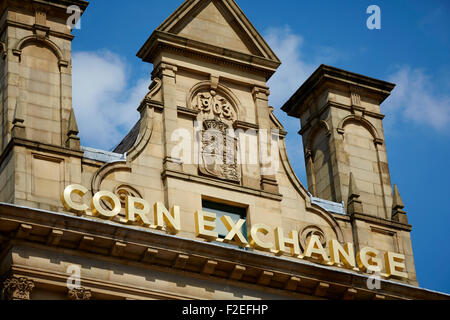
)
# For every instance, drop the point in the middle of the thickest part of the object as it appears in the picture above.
(149, 221)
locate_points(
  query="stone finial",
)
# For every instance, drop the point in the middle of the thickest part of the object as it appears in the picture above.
(17, 288)
(79, 294)
(354, 205)
(353, 191)
(397, 199)
(73, 126)
(398, 214)
(18, 130)
(73, 141)
(19, 114)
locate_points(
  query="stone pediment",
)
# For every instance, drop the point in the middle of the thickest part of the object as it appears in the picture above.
(212, 27)
(212, 23)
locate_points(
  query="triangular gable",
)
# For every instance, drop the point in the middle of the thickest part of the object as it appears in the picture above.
(220, 23)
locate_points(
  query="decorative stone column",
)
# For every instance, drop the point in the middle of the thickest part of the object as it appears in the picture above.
(342, 126)
(17, 288)
(31, 29)
(261, 97)
(167, 73)
(79, 294)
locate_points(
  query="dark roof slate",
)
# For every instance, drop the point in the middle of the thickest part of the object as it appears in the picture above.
(129, 141)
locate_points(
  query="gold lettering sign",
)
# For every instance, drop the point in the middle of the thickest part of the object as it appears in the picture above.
(137, 211)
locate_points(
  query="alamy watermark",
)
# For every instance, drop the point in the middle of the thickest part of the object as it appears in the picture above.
(374, 281)
(217, 145)
(74, 20)
(374, 20)
(74, 280)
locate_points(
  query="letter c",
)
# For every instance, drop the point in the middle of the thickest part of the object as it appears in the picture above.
(255, 241)
(67, 201)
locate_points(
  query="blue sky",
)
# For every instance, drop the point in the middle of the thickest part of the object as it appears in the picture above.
(411, 49)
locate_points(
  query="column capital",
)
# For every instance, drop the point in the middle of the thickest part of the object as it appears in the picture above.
(79, 294)
(260, 93)
(15, 288)
(165, 70)
(308, 153)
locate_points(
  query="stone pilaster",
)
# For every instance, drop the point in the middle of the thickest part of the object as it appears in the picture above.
(167, 74)
(35, 32)
(261, 98)
(342, 128)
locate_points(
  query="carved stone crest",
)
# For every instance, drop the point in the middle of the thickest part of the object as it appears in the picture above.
(122, 192)
(125, 190)
(218, 147)
(309, 231)
(218, 152)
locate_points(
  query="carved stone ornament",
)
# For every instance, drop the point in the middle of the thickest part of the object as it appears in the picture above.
(79, 294)
(218, 111)
(17, 288)
(356, 99)
(212, 104)
(124, 190)
(309, 231)
(218, 152)
(214, 101)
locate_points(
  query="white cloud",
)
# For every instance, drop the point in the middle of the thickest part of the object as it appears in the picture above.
(416, 99)
(104, 103)
(293, 70)
(285, 82)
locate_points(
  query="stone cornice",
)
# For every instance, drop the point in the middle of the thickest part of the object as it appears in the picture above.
(349, 108)
(188, 113)
(26, 225)
(58, 7)
(64, 3)
(159, 41)
(56, 34)
(333, 104)
(245, 125)
(60, 4)
(37, 146)
(295, 105)
(220, 184)
(382, 222)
